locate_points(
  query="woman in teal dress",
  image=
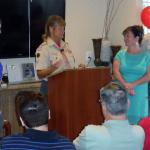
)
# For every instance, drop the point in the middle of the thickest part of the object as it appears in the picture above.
(131, 68)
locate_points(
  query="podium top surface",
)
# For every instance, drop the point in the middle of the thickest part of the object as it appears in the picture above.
(80, 69)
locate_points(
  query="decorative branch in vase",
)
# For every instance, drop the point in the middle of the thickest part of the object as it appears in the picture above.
(112, 7)
(111, 11)
(102, 49)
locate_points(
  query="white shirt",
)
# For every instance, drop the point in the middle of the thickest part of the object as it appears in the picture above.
(112, 135)
(48, 53)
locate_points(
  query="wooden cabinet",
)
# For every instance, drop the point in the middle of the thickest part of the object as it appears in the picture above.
(7, 104)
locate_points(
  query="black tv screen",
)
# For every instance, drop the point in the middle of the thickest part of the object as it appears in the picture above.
(14, 28)
(22, 25)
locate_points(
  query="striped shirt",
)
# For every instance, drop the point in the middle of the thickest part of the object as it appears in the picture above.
(36, 140)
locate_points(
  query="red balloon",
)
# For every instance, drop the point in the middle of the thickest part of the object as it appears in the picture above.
(145, 16)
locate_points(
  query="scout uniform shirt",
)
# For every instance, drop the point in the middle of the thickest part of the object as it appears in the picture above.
(48, 53)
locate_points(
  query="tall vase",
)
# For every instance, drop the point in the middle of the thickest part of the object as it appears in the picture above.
(115, 49)
(97, 51)
(106, 52)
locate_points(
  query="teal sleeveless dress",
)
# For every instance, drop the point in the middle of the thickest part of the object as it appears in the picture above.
(133, 67)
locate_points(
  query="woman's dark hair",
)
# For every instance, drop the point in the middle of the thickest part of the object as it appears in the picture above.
(137, 30)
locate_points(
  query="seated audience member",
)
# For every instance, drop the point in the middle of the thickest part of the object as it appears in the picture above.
(115, 133)
(32, 110)
(145, 124)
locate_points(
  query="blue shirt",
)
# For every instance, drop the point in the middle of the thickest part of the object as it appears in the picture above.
(112, 135)
(1, 71)
(36, 140)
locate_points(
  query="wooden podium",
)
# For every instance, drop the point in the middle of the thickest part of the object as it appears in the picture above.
(73, 97)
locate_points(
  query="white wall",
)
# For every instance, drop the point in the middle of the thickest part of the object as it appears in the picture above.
(128, 14)
(84, 20)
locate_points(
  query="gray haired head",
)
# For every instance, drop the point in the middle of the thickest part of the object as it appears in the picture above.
(114, 97)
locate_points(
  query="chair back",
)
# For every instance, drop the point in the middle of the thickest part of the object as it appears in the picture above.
(6, 128)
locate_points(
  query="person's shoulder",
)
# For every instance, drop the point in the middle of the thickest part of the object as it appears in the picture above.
(138, 131)
(122, 51)
(146, 56)
(95, 127)
(137, 128)
(147, 53)
(120, 54)
(96, 130)
(14, 137)
(58, 136)
(60, 139)
(64, 44)
(42, 47)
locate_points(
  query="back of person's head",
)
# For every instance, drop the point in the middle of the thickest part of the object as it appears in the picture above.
(32, 108)
(136, 30)
(53, 21)
(114, 97)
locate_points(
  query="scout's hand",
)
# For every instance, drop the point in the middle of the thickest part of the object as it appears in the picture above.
(82, 66)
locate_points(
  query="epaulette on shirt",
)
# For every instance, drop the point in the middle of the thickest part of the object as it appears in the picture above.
(39, 49)
(41, 46)
(44, 43)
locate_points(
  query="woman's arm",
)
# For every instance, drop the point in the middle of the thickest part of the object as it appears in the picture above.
(143, 79)
(45, 72)
(117, 73)
(118, 76)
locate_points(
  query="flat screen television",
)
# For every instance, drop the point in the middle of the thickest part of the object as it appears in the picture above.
(22, 25)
